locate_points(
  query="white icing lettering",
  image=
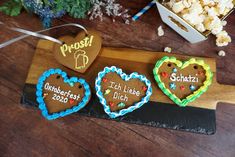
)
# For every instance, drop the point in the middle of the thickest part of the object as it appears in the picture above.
(60, 95)
(86, 42)
(173, 77)
(131, 91)
(118, 96)
(122, 91)
(114, 85)
(182, 78)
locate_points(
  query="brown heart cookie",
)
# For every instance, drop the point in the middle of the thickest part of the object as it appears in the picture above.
(59, 95)
(182, 82)
(80, 52)
(120, 93)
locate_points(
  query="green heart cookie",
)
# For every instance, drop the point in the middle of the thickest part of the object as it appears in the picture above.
(182, 65)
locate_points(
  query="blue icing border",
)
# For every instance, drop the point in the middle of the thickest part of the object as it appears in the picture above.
(39, 94)
(126, 78)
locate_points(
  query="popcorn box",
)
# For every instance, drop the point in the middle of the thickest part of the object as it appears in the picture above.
(182, 27)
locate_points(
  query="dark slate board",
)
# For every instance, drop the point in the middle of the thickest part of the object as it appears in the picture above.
(153, 114)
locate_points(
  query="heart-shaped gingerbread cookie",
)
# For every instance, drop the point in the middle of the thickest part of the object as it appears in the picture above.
(59, 95)
(182, 82)
(120, 93)
(80, 52)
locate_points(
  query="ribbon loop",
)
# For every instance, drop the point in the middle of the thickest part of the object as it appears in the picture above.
(37, 34)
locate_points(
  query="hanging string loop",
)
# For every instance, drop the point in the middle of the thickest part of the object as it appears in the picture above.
(37, 34)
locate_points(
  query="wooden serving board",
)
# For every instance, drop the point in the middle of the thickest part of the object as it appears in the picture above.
(160, 111)
(130, 60)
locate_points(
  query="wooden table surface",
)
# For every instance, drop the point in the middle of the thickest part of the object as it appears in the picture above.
(24, 132)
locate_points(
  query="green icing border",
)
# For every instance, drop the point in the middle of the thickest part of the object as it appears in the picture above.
(182, 65)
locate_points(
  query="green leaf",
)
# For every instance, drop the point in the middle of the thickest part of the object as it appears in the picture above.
(11, 8)
(77, 8)
(59, 5)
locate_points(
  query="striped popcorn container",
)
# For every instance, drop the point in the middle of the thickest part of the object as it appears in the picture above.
(182, 27)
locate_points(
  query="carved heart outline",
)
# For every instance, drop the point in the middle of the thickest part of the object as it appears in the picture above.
(39, 94)
(124, 77)
(182, 65)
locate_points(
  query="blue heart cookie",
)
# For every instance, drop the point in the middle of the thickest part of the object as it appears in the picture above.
(120, 93)
(59, 96)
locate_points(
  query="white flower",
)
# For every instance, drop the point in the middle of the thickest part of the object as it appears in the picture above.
(110, 8)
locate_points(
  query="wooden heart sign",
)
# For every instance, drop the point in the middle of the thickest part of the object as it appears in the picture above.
(59, 95)
(80, 52)
(182, 82)
(120, 93)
